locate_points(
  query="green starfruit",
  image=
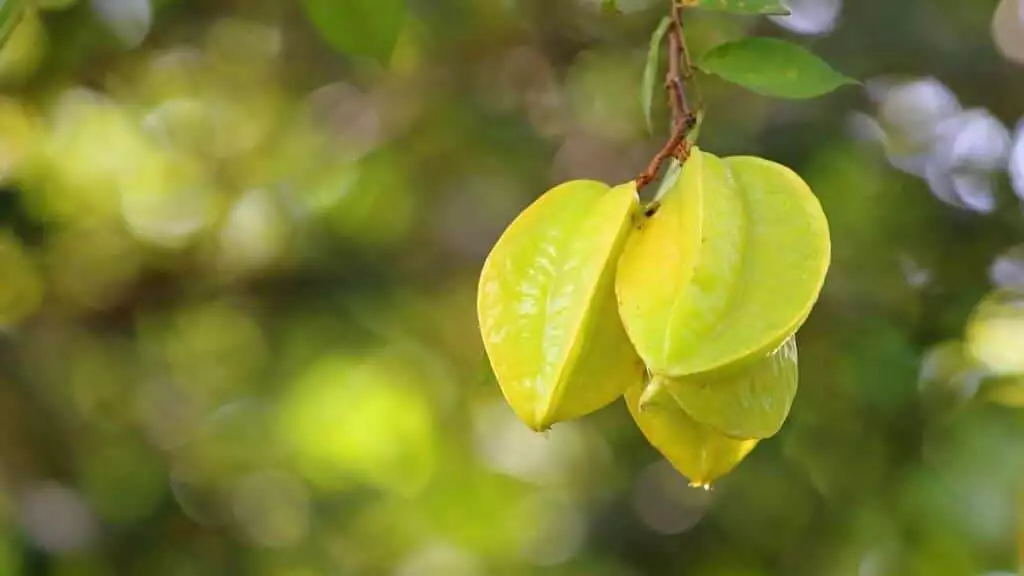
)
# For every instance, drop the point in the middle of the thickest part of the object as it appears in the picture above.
(749, 400)
(547, 309)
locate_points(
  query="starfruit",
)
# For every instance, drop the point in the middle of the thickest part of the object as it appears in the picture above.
(726, 269)
(698, 452)
(746, 400)
(547, 309)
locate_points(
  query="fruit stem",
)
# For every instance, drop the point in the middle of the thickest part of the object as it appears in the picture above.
(684, 120)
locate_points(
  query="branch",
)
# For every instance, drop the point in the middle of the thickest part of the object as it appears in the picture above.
(680, 70)
(675, 79)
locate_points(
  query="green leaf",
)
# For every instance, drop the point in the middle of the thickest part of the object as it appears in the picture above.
(669, 179)
(773, 68)
(610, 7)
(359, 27)
(11, 12)
(694, 134)
(651, 70)
(53, 4)
(766, 7)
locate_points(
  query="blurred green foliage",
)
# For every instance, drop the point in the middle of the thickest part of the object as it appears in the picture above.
(359, 27)
(238, 274)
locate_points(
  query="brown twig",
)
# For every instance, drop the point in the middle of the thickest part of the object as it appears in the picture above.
(680, 70)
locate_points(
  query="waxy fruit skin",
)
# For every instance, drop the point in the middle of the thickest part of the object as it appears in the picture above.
(749, 400)
(547, 308)
(697, 451)
(726, 269)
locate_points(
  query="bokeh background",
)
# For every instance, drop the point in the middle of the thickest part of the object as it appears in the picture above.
(238, 274)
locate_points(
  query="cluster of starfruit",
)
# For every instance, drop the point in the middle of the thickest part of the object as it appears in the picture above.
(688, 307)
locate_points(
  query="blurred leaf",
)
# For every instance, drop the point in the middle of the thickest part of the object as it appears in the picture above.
(651, 70)
(11, 12)
(49, 4)
(359, 27)
(24, 49)
(766, 7)
(694, 134)
(1005, 391)
(21, 292)
(773, 68)
(609, 7)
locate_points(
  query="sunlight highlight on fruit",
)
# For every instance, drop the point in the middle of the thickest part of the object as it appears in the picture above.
(547, 309)
(726, 269)
(747, 401)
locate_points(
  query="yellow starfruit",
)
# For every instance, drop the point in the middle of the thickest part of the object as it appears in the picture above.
(547, 309)
(726, 269)
(697, 451)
